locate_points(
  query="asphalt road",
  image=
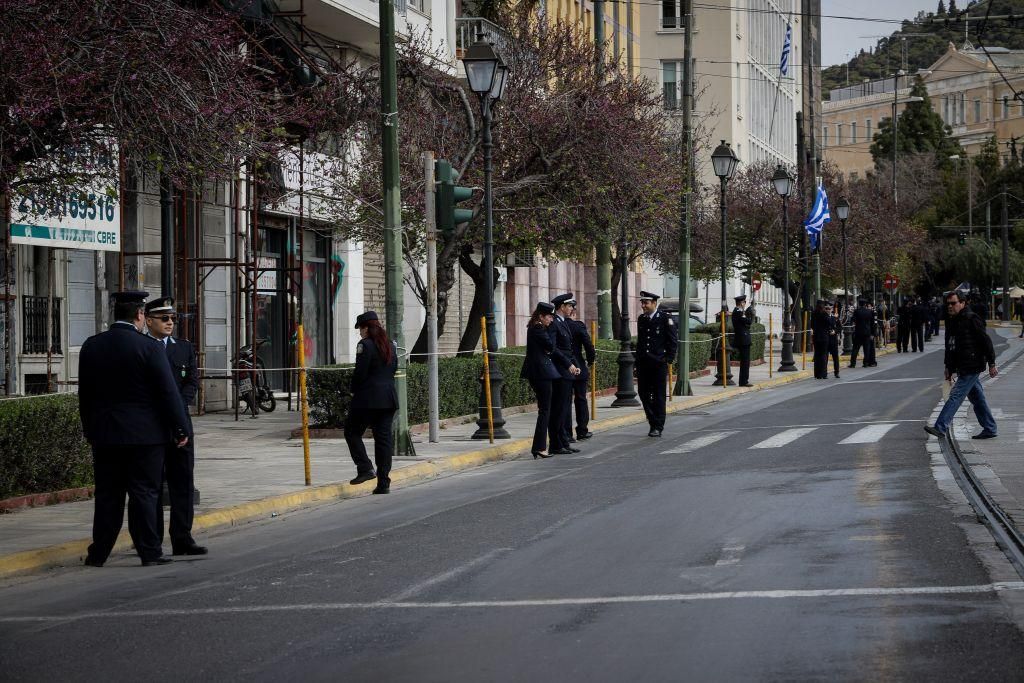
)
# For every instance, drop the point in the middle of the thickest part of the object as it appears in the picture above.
(793, 534)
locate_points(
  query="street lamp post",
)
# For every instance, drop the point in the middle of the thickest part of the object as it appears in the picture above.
(724, 161)
(625, 395)
(843, 211)
(783, 182)
(487, 75)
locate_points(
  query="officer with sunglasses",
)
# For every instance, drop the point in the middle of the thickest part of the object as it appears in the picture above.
(179, 463)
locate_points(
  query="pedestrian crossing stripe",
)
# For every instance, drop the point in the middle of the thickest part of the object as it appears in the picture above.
(866, 435)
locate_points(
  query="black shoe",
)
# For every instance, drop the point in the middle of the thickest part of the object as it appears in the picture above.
(190, 549)
(380, 490)
(157, 561)
(653, 432)
(572, 440)
(837, 375)
(573, 450)
(365, 476)
(852, 365)
(92, 562)
(540, 454)
(985, 435)
(934, 432)
(748, 384)
(584, 437)
(563, 451)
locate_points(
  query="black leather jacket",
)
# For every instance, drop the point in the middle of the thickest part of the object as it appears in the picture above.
(968, 347)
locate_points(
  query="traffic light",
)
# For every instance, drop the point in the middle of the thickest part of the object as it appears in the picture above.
(961, 239)
(448, 195)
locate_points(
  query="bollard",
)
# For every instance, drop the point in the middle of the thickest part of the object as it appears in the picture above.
(670, 384)
(771, 345)
(487, 380)
(593, 374)
(303, 405)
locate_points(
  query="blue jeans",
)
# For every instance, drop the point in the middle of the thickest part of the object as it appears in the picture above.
(969, 387)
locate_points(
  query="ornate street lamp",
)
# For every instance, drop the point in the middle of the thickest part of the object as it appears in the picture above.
(783, 182)
(487, 76)
(843, 211)
(724, 161)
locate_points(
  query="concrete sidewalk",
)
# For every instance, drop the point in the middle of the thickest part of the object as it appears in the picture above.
(999, 462)
(253, 469)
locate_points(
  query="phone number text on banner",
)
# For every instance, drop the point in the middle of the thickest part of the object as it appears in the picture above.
(79, 220)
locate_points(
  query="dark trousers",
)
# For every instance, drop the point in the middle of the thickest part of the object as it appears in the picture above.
(135, 471)
(542, 388)
(561, 390)
(833, 350)
(820, 360)
(380, 421)
(744, 352)
(902, 338)
(179, 465)
(868, 343)
(917, 337)
(579, 395)
(652, 382)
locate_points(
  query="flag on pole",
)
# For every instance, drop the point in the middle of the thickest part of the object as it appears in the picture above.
(787, 44)
(819, 216)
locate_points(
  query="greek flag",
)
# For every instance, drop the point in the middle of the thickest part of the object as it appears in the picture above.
(819, 216)
(786, 45)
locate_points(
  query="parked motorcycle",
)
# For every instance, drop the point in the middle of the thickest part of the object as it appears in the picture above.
(252, 381)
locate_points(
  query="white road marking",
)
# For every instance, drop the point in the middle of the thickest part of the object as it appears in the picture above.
(699, 442)
(891, 381)
(730, 555)
(896, 591)
(588, 456)
(446, 576)
(869, 434)
(1020, 432)
(783, 438)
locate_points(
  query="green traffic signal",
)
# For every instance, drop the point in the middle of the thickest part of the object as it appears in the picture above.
(962, 239)
(448, 195)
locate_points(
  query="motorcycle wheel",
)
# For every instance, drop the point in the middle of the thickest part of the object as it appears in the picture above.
(267, 401)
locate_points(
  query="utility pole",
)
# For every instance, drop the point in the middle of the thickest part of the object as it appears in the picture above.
(393, 218)
(167, 236)
(682, 387)
(431, 219)
(604, 247)
(1006, 260)
(801, 171)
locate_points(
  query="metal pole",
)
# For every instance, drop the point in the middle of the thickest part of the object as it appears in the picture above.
(895, 133)
(603, 252)
(724, 373)
(8, 265)
(847, 329)
(431, 218)
(487, 380)
(786, 364)
(493, 372)
(626, 394)
(682, 385)
(393, 219)
(970, 197)
(303, 406)
(593, 376)
(166, 236)
(1006, 260)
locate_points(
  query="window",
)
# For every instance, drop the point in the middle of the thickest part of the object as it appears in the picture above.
(670, 14)
(671, 81)
(977, 111)
(839, 134)
(867, 129)
(1006, 107)
(945, 109)
(853, 132)
(824, 136)
(963, 109)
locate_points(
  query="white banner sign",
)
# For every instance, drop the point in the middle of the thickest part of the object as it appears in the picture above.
(320, 177)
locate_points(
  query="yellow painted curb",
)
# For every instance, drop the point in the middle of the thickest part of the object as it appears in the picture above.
(74, 551)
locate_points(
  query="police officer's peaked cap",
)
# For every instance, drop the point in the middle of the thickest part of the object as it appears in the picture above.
(366, 317)
(563, 299)
(544, 308)
(164, 304)
(740, 299)
(133, 296)
(647, 296)
(862, 302)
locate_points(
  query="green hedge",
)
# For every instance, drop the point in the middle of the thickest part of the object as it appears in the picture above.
(757, 339)
(458, 383)
(41, 446)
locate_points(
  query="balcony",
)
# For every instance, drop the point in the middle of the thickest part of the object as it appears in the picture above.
(467, 29)
(33, 338)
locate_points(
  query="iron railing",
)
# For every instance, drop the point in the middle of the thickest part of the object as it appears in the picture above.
(467, 29)
(33, 338)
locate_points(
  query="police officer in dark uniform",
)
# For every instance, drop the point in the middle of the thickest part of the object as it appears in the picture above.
(374, 402)
(903, 327)
(657, 339)
(130, 410)
(863, 334)
(561, 331)
(742, 319)
(834, 335)
(918, 318)
(583, 355)
(179, 463)
(821, 327)
(540, 371)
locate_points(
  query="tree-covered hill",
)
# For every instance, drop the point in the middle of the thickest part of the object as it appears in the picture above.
(941, 27)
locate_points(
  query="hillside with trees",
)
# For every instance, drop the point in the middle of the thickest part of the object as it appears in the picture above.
(922, 40)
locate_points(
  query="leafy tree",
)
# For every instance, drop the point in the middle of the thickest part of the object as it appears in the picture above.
(941, 9)
(953, 8)
(921, 131)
